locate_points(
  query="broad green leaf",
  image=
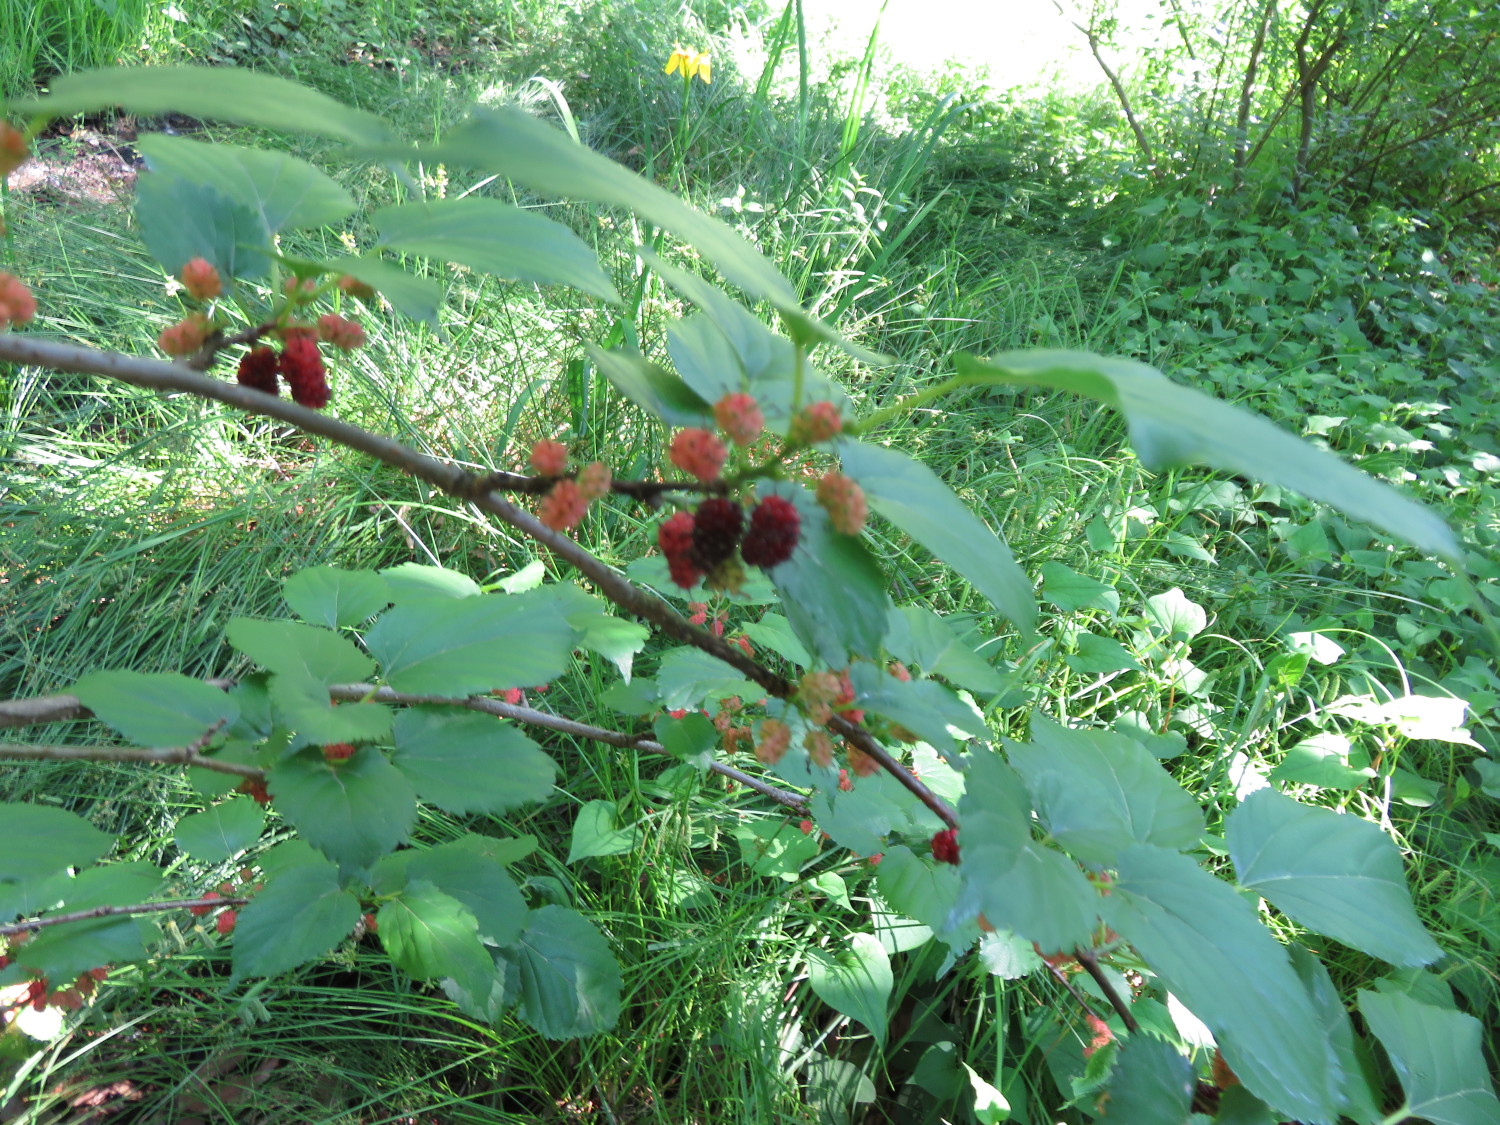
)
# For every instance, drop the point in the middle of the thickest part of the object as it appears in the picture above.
(924, 891)
(595, 833)
(693, 738)
(1323, 759)
(833, 590)
(690, 677)
(1358, 1100)
(1173, 614)
(415, 297)
(1238, 1106)
(1208, 946)
(180, 221)
(861, 818)
(300, 651)
(1173, 425)
(222, 831)
(281, 191)
(37, 840)
(911, 496)
(466, 762)
(460, 647)
(918, 636)
(303, 706)
(114, 884)
(925, 707)
(417, 581)
(775, 848)
(614, 638)
(855, 982)
(470, 869)
(703, 357)
(1152, 1084)
(570, 983)
(1098, 792)
(512, 143)
(654, 389)
(330, 596)
(155, 708)
(496, 238)
(218, 93)
(1438, 1056)
(61, 953)
(1335, 874)
(431, 935)
(1098, 655)
(1008, 956)
(1070, 591)
(990, 1106)
(1017, 883)
(774, 632)
(297, 917)
(353, 811)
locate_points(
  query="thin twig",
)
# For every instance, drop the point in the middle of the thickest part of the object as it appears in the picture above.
(36, 924)
(1090, 965)
(490, 706)
(172, 756)
(647, 490)
(59, 708)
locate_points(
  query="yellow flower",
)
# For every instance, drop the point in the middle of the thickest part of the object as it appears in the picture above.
(691, 63)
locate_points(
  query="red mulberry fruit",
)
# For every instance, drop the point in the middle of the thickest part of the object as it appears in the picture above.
(675, 538)
(774, 525)
(716, 531)
(301, 366)
(945, 846)
(258, 370)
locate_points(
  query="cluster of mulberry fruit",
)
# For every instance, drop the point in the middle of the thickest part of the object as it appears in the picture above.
(704, 543)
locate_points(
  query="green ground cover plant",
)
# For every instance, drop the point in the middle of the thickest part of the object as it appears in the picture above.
(613, 898)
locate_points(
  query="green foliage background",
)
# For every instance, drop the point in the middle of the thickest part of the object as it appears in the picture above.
(1345, 289)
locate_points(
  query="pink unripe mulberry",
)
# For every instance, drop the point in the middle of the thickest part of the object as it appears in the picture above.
(819, 747)
(775, 737)
(699, 453)
(341, 332)
(845, 503)
(772, 536)
(201, 279)
(861, 763)
(563, 508)
(186, 336)
(675, 538)
(817, 693)
(549, 458)
(815, 423)
(258, 370)
(739, 417)
(13, 151)
(17, 305)
(594, 480)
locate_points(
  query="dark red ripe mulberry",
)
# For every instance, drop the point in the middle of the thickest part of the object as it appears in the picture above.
(773, 533)
(675, 538)
(945, 846)
(302, 367)
(258, 370)
(716, 531)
